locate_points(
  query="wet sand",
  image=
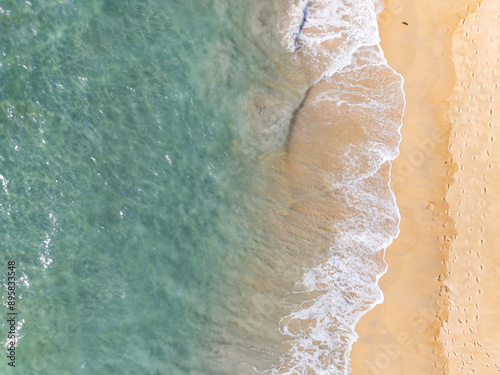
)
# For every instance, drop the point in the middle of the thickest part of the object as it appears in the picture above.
(441, 302)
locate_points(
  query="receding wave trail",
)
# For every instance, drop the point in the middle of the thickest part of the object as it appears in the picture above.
(336, 170)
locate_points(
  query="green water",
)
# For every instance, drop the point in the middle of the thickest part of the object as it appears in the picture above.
(127, 180)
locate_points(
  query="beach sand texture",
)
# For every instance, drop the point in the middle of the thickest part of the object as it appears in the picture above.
(470, 335)
(441, 302)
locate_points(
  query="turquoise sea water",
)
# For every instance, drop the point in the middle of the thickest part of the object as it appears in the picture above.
(126, 202)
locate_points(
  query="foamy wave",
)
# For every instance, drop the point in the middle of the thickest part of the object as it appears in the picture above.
(341, 38)
(347, 281)
(328, 32)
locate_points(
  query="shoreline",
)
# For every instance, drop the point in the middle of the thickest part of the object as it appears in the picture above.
(424, 325)
(335, 214)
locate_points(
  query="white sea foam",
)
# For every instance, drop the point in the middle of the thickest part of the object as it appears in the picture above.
(341, 38)
(332, 32)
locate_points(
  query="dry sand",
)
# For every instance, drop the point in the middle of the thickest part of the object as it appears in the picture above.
(470, 335)
(440, 313)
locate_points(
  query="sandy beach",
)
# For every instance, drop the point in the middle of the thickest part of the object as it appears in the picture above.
(441, 303)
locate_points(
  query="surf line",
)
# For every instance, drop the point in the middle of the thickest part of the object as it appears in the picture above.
(304, 19)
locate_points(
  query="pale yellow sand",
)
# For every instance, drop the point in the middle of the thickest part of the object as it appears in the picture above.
(400, 335)
(442, 299)
(471, 333)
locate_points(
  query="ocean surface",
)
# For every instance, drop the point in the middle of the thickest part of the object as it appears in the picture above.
(192, 187)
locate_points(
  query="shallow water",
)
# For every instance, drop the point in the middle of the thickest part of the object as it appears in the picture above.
(173, 203)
